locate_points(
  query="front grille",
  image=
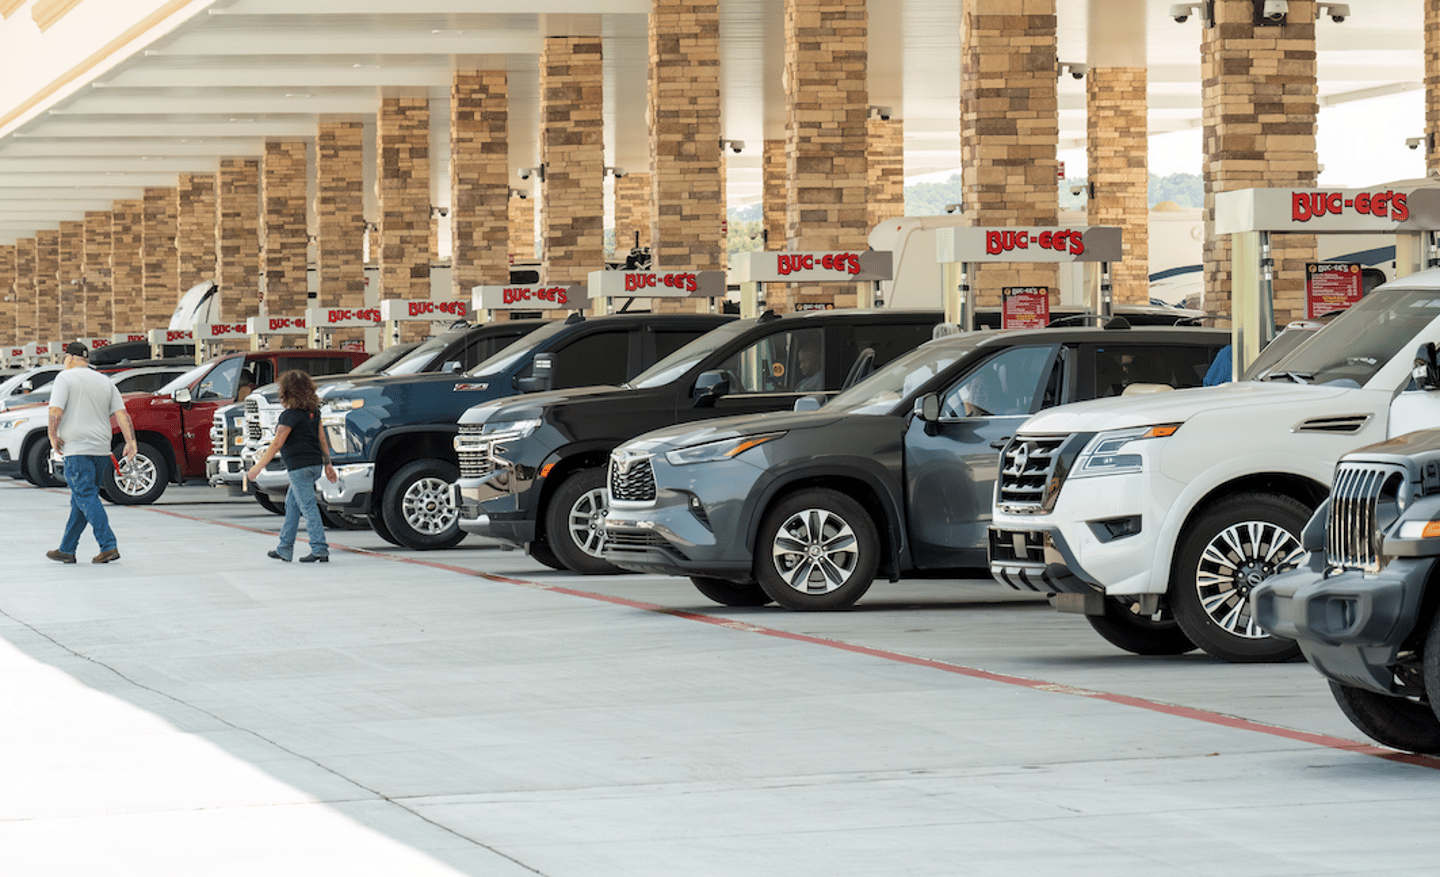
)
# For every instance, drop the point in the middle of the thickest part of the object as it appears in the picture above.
(631, 479)
(1362, 502)
(623, 539)
(252, 419)
(217, 434)
(1017, 546)
(1030, 475)
(475, 459)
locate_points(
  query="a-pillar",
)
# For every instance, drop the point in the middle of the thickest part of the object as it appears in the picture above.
(340, 219)
(886, 159)
(25, 326)
(633, 216)
(686, 171)
(7, 294)
(403, 157)
(479, 180)
(47, 285)
(68, 275)
(1116, 143)
(1260, 107)
(825, 157)
(1009, 130)
(285, 243)
(162, 264)
(127, 266)
(195, 229)
(99, 294)
(572, 154)
(237, 238)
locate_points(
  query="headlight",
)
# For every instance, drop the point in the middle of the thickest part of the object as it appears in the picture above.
(1110, 453)
(721, 450)
(511, 428)
(341, 404)
(6, 424)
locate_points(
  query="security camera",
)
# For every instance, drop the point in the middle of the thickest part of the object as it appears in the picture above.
(525, 172)
(882, 113)
(1275, 10)
(1338, 12)
(1077, 71)
(1414, 142)
(1077, 190)
(736, 146)
(618, 172)
(1182, 11)
(951, 208)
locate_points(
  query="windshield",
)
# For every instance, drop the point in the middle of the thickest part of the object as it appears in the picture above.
(421, 356)
(1360, 341)
(186, 379)
(507, 357)
(884, 389)
(384, 359)
(12, 385)
(689, 356)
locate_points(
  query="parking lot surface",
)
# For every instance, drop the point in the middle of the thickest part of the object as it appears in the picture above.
(198, 708)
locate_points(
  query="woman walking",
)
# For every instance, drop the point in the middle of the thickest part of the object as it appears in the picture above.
(301, 444)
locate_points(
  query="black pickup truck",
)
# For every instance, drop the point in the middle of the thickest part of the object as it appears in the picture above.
(533, 469)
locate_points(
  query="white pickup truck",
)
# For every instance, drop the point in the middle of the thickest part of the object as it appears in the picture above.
(1155, 515)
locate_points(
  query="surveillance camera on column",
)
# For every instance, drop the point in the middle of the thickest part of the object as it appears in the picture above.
(1414, 142)
(525, 172)
(1275, 10)
(1338, 12)
(1181, 12)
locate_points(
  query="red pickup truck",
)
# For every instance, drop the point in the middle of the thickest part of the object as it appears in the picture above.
(172, 425)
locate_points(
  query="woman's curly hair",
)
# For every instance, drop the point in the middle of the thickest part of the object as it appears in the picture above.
(298, 391)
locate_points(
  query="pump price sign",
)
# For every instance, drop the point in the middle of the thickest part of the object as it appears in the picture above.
(1331, 286)
(1025, 307)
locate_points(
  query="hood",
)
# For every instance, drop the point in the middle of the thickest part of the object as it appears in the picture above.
(1411, 444)
(686, 434)
(1180, 405)
(531, 405)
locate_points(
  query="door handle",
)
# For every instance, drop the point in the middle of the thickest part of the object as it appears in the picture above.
(1000, 443)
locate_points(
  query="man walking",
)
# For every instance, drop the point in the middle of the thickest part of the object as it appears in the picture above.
(81, 404)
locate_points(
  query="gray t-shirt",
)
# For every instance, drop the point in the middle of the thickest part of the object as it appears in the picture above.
(88, 398)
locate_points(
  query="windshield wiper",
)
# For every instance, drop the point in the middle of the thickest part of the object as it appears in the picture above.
(1297, 377)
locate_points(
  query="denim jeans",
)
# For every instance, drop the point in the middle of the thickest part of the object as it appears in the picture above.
(300, 499)
(84, 474)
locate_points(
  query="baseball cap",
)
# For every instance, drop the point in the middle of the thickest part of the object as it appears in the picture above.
(75, 348)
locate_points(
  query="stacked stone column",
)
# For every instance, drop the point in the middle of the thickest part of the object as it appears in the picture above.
(885, 155)
(522, 229)
(47, 285)
(825, 157)
(285, 238)
(572, 152)
(1260, 106)
(772, 203)
(195, 229)
(99, 293)
(25, 326)
(340, 219)
(1009, 130)
(634, 219)
(1432, 87)
(7, 295)
(161, 260)
(1116, 152)
(403, 155)
(68, 275)
(479, 180)
(127, 263)
(237, 238)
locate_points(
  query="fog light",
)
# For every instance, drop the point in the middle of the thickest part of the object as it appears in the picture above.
(697, 509)
(1111, 529)
(1340, 614)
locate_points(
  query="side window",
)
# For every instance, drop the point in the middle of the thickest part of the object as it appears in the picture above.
(667, 341)
(1178, 366)
(487, 347)
(888, 342)
(1004, 385)
(597, 358)
(316, 365)
(782, 362)
(219, 382)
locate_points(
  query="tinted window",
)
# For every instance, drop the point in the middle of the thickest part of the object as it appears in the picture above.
(1177, 366)
(220, 382)
(596, 358)
(667, 341)
(781, 362)
(1004, 385)
(481, 350)
(315, 365)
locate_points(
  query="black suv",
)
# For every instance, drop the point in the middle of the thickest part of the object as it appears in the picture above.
(533, 468)
(895, 474)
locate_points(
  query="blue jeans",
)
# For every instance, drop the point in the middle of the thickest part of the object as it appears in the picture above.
(300, 499)
(84, 474)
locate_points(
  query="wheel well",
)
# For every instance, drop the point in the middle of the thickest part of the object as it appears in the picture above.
(395, 451)
(30, 442)
(557, 475)
(1429, 605)
(858, 490)
(1298, 488)
(157, 441)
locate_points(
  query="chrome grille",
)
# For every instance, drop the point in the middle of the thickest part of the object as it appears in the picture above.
(1028, 474)
(475, 458)
(1362, 502)
(252, 419)
(632, 479)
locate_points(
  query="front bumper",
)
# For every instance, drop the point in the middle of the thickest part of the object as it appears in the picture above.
(222, 471)
(349, 492)
(489, 506)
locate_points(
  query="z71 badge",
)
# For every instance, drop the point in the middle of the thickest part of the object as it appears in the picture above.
(462, 388)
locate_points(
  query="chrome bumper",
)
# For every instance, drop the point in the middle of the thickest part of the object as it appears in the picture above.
(352, 483)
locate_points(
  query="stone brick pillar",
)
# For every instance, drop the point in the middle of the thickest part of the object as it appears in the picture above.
(403, 181)
(25, 306)
(237, 238)
(47, 285)
(1260, 107)
(633, 215)
(1432, 86)
(885, 154)
(572, 151)
(479, 180)
(1117, 153)
(7, 294)
(161, 260)
(687, 182)
(1009, 131)
(127, 266)
(195, 229)
(99, 293)
(285, 234)
(68, 276)
(340, 219)
(773, 204)
(826, 166)
(522, 230)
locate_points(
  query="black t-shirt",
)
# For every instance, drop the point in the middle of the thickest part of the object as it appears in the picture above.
(302, 445)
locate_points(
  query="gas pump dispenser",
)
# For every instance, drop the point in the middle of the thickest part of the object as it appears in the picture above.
(753, 270)
(961, 249)
(487, 300)
(1251, 216)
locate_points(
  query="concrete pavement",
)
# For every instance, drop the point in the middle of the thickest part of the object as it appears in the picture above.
(199, 709)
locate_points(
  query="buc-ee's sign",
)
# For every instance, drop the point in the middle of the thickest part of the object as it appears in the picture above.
(342, 318)
(657, 284)
(170, 336)
(211, 331)
(834, 266)
(500, 298)
(423, 309)
(971, 244)
(1379, 209)
(275, 325)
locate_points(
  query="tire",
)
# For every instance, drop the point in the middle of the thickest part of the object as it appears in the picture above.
(144, 479)
(1139, 634)
(269, 504)
(730, 593)
(343, 520)
(418, 508)
(37, 465)
(1230, 548)
(1398, 722)
(817, 550)
(540, 552)
(377, 523)
(575, 522)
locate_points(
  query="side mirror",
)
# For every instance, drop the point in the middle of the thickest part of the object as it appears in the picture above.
(710, 386)
(1426, 371)
(181, 396)
(542, 374)
(927, 407)
(451, 367)
(809, 403)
